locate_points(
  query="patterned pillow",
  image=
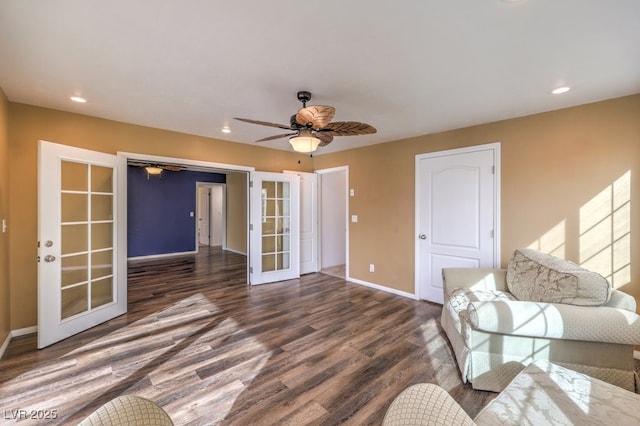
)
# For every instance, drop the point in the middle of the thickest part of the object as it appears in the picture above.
(540, 277)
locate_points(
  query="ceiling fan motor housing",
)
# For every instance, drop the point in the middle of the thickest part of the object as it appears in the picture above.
(304, 97)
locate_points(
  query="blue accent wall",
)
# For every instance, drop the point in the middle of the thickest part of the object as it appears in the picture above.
(158, 210)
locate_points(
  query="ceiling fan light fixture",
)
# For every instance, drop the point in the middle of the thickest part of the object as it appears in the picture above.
(153, 170)
(305, 142)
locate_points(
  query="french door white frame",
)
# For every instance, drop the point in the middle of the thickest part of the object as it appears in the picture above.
(290, 209)
(51, 326)
(495, 147)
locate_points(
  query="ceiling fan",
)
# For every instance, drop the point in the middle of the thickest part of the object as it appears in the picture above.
(154, 169)
(311, 126)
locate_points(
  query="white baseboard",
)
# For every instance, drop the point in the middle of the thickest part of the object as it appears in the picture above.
(5, 344)
(16, 333)
(234, 251)
(160, 256)
(383, 288)
(24, 331)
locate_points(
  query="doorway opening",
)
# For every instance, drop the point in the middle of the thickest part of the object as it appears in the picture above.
(211, 202)
(333, 212)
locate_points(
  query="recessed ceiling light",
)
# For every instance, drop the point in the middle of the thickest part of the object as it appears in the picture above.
(226, 129)
(560, 90)
(78, 99)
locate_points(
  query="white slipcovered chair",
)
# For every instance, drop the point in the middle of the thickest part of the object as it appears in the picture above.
(540, 308)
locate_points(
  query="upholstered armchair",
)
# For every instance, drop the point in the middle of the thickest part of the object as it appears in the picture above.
(540, 308)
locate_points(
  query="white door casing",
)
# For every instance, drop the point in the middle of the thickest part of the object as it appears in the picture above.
(308, 221)
(457, 214)
(82, 274)
(274, 227)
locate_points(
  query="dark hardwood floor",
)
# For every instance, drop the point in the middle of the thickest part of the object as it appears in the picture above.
(211, 350)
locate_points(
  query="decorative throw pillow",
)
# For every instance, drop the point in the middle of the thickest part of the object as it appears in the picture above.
(540, 277)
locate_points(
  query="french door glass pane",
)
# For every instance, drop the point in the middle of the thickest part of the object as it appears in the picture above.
(101, 207)
(101, 179)
(74, 238)
(74, 300)
(74, 270)
(101, 292)
(74, 207)
(74, 176)
(276, 205)
(87, 238)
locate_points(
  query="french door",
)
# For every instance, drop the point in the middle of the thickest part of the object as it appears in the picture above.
(274, 227)
(81, 273)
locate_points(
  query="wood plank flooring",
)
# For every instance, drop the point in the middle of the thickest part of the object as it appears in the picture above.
(211, 350)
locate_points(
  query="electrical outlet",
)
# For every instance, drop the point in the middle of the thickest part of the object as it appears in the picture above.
(354, 218)
(372, 267)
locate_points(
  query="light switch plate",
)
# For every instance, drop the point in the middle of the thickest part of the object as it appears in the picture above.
(354, 218)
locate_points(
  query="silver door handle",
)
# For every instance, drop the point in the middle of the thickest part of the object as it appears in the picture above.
(49, 258)
(422, 236)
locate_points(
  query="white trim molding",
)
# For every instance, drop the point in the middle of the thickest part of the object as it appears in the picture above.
(16, 333)
(160, 256)
(5, 344)
(382, 288)
(24, 331)
(636, 355)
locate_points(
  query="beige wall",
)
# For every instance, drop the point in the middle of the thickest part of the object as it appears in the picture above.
(237, 212)
(29, 124)
(4, 214)
(558, 173)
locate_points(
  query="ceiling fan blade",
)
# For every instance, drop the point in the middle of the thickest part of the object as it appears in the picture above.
(318, 115)
(348, 128)
(171, 168)
(263, 123)
(325, 138)
(270, 138)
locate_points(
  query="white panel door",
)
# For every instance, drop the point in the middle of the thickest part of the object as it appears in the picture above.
(82, 275)
(456, 215)
(308, 222)
(274, 227)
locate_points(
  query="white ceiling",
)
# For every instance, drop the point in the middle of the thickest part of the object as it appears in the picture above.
(407, 67)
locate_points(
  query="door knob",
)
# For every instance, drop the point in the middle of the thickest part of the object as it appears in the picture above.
(49, 258)
(422, 236)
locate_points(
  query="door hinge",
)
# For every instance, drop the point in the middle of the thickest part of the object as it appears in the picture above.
(251, 269)
(250, 184)
(251, 227)
(493, 170)
(493, 234)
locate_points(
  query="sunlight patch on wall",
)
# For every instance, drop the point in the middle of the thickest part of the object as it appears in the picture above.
(605, 232)
(553, 241)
